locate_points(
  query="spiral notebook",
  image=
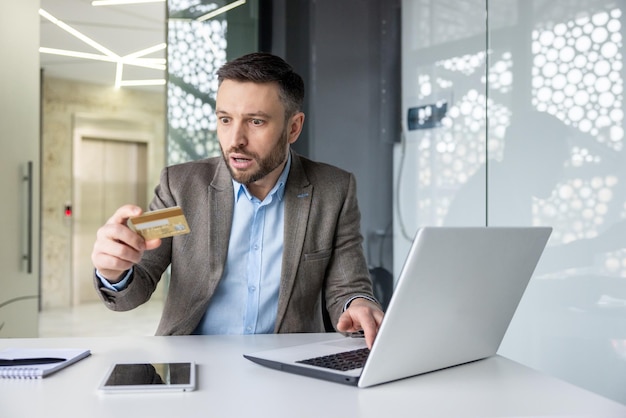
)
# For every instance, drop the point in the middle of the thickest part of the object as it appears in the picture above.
(37, 363)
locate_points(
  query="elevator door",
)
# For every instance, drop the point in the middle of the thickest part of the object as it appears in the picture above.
(109, 174)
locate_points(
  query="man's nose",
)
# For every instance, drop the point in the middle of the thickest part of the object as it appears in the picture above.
(238, 137)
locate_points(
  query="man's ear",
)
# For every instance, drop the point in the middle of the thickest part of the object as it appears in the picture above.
(296, 122)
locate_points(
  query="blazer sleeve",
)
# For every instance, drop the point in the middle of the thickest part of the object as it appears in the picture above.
(195, 270)
(147, 274)
(347, 273)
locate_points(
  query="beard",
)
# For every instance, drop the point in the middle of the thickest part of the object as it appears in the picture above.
(275, 158)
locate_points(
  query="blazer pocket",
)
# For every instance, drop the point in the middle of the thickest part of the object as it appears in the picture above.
(318, 255)
(313, 270)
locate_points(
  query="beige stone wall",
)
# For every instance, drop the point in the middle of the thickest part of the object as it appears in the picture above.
(63, 103)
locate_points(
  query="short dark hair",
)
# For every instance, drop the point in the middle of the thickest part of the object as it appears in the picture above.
(262, 67)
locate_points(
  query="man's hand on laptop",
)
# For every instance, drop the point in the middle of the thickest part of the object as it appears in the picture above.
(362, 314)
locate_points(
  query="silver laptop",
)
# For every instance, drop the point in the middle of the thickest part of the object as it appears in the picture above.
(452, 304)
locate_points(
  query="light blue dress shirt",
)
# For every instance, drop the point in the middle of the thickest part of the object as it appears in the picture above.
(246, 299)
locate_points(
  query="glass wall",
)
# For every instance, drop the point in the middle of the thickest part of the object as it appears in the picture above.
(513, 114)
(202, 35)
(563, 165)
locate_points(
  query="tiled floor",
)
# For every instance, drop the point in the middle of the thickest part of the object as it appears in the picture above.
(95, 320)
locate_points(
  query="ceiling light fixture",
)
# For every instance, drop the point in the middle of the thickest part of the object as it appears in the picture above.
(156, 82)
(76, 54)
(119, 2)
(76, 33)
(135, 58)
(153, 63)
(220, 10)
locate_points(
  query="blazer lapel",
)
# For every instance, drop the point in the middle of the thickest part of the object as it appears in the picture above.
(220, 218)
(298, 197)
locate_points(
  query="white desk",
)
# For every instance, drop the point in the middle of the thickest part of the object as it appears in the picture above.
(231, 386)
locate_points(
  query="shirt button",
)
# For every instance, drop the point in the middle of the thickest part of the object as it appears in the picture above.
(252, 289)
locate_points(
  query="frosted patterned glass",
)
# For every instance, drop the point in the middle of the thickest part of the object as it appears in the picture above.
(533, 135)
(196, 49)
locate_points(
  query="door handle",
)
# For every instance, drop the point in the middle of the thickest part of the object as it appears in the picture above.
(28, 179)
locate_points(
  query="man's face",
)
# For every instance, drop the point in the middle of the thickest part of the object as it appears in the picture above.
(252, 131)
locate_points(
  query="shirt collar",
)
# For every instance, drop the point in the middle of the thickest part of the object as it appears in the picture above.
(278, 190)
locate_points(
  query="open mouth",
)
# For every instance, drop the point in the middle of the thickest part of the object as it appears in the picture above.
(241, 162)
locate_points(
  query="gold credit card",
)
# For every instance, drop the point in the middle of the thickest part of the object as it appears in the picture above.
(161, 223)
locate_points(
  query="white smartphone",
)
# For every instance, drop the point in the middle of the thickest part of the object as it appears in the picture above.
(150, 377)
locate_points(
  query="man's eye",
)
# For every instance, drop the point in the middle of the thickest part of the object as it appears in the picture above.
(224, 120)
(257, 122)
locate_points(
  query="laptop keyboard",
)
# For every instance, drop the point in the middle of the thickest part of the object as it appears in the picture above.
(348, 360)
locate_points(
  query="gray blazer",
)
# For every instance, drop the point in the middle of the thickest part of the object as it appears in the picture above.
(323, 262)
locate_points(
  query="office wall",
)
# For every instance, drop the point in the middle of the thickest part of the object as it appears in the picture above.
(532, 133)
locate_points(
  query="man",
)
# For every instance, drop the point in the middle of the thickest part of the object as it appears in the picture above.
(275, 238)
